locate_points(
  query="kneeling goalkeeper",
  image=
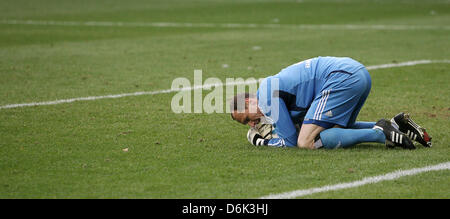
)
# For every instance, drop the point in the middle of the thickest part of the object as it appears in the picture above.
(323, 96)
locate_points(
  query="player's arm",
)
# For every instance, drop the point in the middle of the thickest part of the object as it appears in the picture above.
(284, 128)
(255, 138)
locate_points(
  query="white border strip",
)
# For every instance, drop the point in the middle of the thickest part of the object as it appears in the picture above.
(368, 180)
(227, 25)
(112, 96)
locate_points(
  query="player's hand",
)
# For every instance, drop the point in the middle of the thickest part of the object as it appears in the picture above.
(254, 137)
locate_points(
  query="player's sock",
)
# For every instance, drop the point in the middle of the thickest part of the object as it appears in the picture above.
(362, 125)
(339, 137)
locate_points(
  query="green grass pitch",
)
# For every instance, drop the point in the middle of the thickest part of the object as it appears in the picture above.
(136, 147)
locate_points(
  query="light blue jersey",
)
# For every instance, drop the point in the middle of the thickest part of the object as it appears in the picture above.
(326, 91)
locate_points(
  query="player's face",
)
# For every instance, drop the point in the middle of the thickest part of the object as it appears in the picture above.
(247, 118)
(251, 116)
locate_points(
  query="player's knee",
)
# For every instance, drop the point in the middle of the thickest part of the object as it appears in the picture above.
(305, 143)
(307, 135)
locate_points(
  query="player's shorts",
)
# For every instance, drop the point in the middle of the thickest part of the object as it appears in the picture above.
(340, 99)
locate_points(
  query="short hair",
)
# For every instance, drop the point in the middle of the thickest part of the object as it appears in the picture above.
(238, 102)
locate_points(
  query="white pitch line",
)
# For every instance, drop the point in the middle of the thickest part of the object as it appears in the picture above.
(112, 96)
(368, 180)
(408, 63)
(227, 25)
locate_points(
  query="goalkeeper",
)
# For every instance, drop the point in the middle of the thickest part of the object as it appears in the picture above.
(314, 104)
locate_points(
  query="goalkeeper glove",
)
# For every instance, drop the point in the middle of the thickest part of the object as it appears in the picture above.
(254, 137)
(265, 130)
